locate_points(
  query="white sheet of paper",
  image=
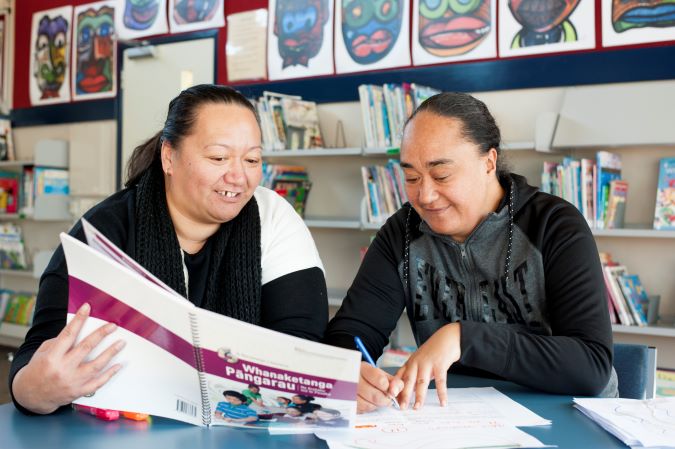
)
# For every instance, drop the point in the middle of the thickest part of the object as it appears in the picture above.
(246, 45)
(477, 409)
(501, 436)
(647, 423)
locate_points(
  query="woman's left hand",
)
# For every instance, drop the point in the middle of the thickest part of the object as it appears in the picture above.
(431, 361)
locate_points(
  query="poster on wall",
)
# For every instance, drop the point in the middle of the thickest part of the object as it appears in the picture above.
(246, 45)
(371, 35)
(50, 56)
(528, 27)
(626, 22)
(299, 38)
(448, 31)
(140, 18)
(193, 15)
(94, 68)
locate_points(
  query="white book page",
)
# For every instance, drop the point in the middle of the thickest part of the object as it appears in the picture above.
(237, 354)
(158, 376)
(102, 244)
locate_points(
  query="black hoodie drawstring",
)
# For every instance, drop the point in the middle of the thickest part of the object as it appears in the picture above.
(509, 247)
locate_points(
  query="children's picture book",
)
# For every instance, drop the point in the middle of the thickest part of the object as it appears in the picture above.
(616, 204)
(608, 169)
(664, 215)
(615, 294)
(302, 124)
(189, 364)
(635, 295)
(6, 142)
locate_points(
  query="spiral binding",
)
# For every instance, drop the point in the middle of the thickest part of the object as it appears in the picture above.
(206, 403)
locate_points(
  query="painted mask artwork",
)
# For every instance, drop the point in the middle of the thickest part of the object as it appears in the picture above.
(543, 22)
(627, 14)
(299, 27)
(140, 14)
(95, 50)
(453, 27)
(370, 28)
(50, 55)
(190, 11)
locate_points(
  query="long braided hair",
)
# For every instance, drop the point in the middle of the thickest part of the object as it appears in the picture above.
(234, 280)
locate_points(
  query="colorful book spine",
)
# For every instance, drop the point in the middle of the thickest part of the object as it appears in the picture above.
(664, 215)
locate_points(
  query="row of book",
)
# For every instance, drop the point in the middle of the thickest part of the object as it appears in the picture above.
(18, 190)
(290, 181)
(627, 300)
(385, 109)
(587, 184)
(17, 307)
(595, 187)
(384, 188)
(288, 122)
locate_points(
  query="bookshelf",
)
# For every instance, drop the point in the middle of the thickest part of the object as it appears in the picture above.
(335, 219)
(40, 226)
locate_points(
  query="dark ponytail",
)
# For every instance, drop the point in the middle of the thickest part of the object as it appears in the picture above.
(478, 124)
(180, 119)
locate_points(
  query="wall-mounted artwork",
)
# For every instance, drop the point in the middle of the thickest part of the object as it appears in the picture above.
(140, 18)
(626, 22)
(50, 56)
(528, 27)
(193, 15)
(299, 38)
(371, 34)
(453, 30)
(94, 70)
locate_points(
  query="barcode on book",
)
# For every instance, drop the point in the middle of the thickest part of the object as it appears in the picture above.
(186, 408)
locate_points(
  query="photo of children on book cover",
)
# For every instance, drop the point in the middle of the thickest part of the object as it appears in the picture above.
(250, 395)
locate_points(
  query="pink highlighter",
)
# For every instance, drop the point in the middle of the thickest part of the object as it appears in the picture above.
(100, 413)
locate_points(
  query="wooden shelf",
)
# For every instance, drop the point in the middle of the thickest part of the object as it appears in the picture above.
(319, 152)
(333, 223)
(16, 164)
(12, 334)
(634, 231)
(658, 331)
(518, 146)
(315, 152)
(23, 273)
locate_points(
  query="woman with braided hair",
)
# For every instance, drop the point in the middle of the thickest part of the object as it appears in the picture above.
(497, 278)
(194, 215)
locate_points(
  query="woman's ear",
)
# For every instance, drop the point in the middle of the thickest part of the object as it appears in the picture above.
(491, 161)
(167, 158)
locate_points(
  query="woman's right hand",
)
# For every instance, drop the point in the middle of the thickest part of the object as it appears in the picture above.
(58, 373)
(376, 388)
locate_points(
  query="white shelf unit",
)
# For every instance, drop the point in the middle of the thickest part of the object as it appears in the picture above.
(40, 228)
(647, 252)
(334, 211)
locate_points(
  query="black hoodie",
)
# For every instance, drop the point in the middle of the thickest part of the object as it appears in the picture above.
(545, 325)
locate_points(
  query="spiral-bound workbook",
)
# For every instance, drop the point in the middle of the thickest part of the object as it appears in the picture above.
(193, 365)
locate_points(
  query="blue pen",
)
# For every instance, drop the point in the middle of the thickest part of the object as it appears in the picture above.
(369, 359)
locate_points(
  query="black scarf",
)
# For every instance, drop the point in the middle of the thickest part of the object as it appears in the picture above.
(234, 279)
